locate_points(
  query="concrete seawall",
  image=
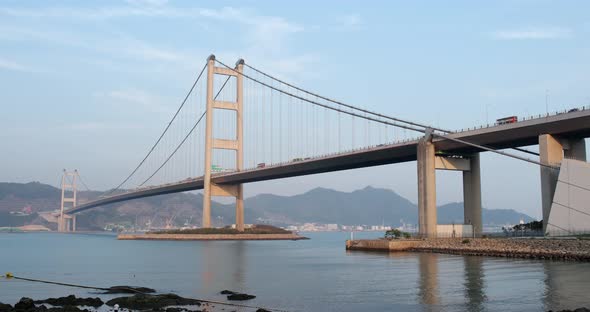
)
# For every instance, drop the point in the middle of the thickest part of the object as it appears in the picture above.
(381, 244)
(557, 249)
(210, 237)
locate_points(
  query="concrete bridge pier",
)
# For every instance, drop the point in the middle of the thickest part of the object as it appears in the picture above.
(426, 188)
(428, 163)
(552, 150)
(472, 195)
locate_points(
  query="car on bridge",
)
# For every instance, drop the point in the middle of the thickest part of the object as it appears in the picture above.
(261, 165)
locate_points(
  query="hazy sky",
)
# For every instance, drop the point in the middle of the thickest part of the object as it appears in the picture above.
(90, 85)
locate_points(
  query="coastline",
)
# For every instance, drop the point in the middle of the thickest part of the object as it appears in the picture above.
(545, 248)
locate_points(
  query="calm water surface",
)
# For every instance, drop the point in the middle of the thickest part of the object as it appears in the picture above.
(312, 275)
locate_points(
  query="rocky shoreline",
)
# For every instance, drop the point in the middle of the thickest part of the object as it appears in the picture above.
(137, 302)
(528, 248)
(554, 249)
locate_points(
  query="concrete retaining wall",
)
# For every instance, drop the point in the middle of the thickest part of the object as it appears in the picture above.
(381, 244)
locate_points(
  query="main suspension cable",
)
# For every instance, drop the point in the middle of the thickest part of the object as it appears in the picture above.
(344, 104)
(520, 149)
(322, 105)
(185, 138)
(387, 122)
(161, 136)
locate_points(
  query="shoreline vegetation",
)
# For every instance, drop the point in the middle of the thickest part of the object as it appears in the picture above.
(255, 229)
(256, 232)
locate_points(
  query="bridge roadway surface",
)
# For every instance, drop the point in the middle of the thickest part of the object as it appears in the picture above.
(522, 133)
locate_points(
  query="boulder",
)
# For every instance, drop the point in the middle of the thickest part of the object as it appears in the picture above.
(5, 307)
(67, 308)
(71, 300)
(240, 297)
(144, 302)
(25, 304)
(129, 290)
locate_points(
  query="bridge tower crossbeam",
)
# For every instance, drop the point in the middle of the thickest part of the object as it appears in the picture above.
(211, 189)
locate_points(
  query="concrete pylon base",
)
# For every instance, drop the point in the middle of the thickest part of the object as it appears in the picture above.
(426, 188)
(472, 195)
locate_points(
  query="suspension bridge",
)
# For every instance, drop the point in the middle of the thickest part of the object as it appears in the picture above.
(239, 124)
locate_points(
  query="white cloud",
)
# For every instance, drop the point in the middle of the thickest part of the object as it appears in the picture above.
(14, 66)
(533, 33)
(262, 31)
(351, 20)
(147, 2)
(93, 126)
(292, 65)
(142, 99)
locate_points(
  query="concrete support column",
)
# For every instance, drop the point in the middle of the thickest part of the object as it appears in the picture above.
(550, 153)
(240, 208)
(426, 188)
(73, 223)
(472, 195)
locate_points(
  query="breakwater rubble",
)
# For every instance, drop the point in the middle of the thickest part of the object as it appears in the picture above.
(529, 248)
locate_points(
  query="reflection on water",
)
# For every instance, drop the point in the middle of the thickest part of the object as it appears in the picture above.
(223, 265)
(474, 282)
(428, 268)
(313, 275)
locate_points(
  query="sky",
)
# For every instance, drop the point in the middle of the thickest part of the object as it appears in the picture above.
(91, 84)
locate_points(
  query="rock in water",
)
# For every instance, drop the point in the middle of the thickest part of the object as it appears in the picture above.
(25, 304)
(71, 300)
(129, 290)
(143, 302)
(67, 308)
(262, 310)
(5, 307)
(240, 297)
(227, 292)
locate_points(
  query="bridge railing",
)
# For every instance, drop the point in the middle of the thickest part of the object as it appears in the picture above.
(530, 117)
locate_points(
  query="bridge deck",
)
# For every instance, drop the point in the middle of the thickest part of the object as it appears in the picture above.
(523, 133)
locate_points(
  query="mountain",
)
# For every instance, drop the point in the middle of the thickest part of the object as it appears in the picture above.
(366, 206)
(370, 206)
(453, 213)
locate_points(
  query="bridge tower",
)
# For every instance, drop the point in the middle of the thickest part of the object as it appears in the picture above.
(211, 143)
(67, 223)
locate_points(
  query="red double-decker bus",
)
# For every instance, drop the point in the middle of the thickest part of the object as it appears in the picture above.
(507, 120)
